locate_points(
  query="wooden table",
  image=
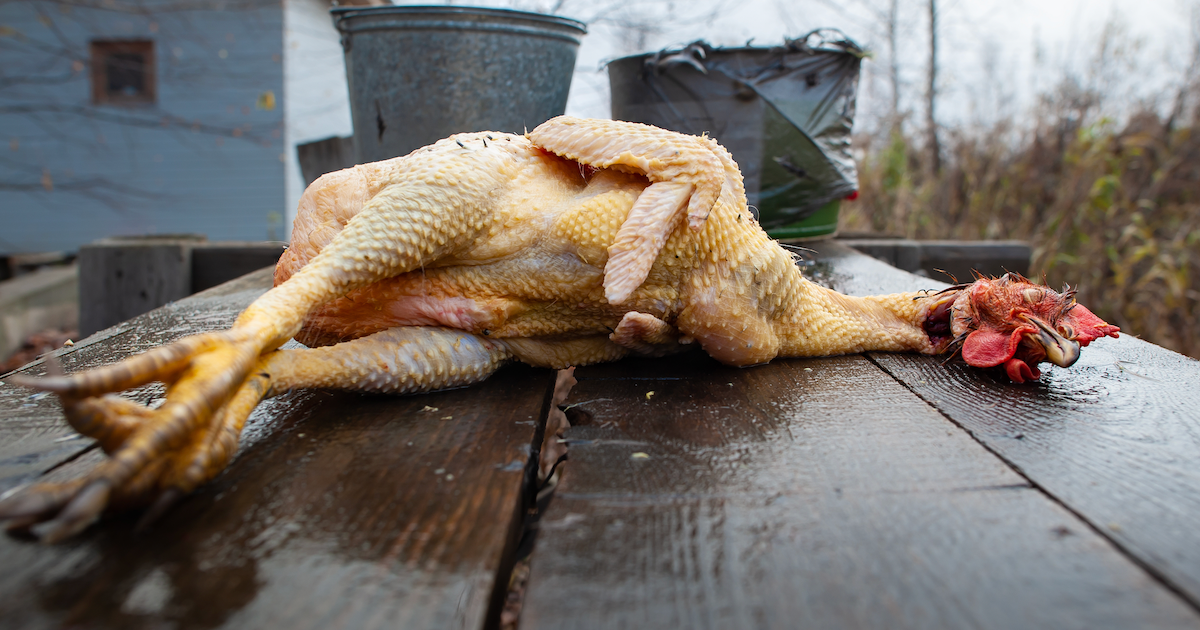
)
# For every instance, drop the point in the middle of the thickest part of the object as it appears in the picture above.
(880, 491)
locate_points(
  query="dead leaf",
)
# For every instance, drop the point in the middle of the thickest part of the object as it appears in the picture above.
(516, 595)
(649, 394)
(563, 382)
(428, 408)
(640, 455)
(553, 446)
(266, 100)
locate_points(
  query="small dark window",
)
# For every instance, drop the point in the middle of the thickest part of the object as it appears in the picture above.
(123, 72)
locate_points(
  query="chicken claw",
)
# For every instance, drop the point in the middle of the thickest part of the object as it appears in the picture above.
(143, 444)
(160, 455)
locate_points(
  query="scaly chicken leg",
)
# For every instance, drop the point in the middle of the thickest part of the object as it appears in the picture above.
(566, 247)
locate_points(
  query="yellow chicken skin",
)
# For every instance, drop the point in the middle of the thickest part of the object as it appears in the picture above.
(584, 241)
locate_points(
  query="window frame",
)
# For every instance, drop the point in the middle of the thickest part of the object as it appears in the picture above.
(101, 50)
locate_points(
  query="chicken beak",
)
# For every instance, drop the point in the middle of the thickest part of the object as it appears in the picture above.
(1060, 351)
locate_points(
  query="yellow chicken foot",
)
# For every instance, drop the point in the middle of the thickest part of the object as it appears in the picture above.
(136, 438)
(155, 461)
(397, 361)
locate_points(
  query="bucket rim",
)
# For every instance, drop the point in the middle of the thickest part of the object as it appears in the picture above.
(711, 50)
(853, 48)
(341, 14)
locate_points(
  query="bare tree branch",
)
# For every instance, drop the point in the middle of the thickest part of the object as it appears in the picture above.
(165, 120)
(934, 149)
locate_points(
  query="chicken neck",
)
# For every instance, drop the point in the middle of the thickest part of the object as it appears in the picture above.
(760, 306)
(823, 322)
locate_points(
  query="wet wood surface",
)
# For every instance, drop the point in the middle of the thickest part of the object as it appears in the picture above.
(863, 491)
(1115, 437)
(808, 493)
(821, 493)
(341, 510)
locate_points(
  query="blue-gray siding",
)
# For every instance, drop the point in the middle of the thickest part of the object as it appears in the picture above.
(205, 158)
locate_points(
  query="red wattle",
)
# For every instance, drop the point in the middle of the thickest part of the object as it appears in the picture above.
(1020, 371)
(989, 348)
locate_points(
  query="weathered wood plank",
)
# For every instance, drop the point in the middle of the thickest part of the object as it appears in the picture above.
(216, 263)
(122, 278)
(1115, 437)
(345, 511)
(324, 156)
(841, 268)
(341, 510)
(942, 259)
(808, 493)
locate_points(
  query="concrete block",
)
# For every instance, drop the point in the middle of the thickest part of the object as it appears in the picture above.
(44, 299)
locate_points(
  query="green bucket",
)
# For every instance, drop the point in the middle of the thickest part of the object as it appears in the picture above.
(821, 224)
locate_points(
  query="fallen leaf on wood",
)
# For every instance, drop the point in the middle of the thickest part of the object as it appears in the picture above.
(554, 447)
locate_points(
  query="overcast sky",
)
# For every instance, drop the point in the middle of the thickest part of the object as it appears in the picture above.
(988, 52)
(995, 55)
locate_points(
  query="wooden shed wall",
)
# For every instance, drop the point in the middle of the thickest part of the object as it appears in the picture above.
(317, 104)
(206, 157)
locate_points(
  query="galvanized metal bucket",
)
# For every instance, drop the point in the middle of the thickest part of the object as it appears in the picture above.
(420, 73)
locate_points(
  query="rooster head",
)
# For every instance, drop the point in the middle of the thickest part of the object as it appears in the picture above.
(1013, 322)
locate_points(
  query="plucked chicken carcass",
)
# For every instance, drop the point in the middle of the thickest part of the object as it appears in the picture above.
(584, 241)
